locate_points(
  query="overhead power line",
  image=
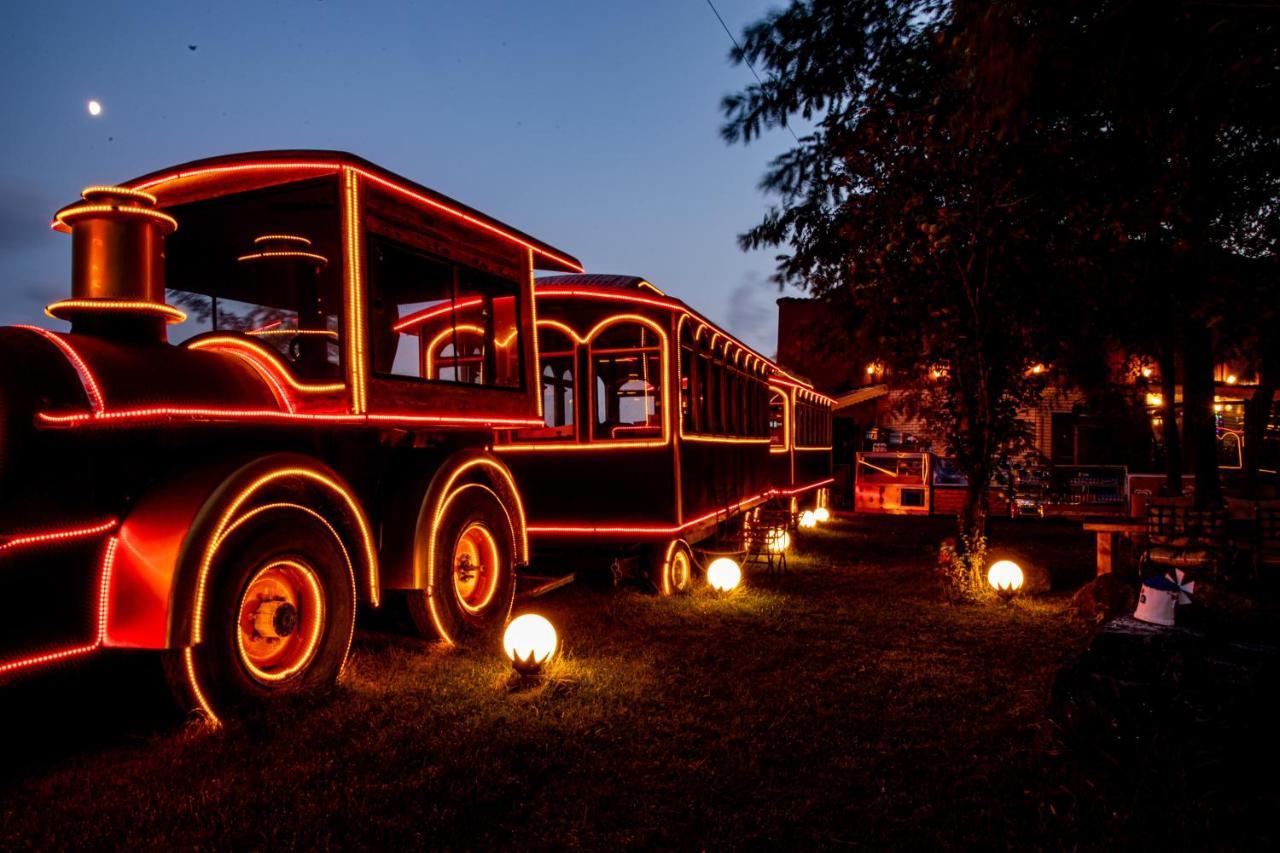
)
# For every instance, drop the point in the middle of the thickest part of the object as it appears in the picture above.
(734, 39)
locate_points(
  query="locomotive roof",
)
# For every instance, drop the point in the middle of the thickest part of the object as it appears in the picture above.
(213, 176)
(640, 286)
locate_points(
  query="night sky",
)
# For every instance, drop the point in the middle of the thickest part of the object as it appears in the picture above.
(591, 125)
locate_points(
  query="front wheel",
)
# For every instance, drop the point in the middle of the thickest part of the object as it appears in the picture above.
(471, 581)
(277, 617)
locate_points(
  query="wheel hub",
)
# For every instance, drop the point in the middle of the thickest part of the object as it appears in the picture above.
(275, 619)
(281, 618)
(475, 568)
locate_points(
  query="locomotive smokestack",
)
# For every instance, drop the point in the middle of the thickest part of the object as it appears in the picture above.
(117, 267)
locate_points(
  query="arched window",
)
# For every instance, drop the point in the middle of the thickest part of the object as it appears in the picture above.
(558, 354)
(626, 367)
(456, 355)
(777, 419)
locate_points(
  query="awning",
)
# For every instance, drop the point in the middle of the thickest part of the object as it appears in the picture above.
(858, 396)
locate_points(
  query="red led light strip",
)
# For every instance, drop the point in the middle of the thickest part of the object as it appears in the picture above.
(789, 492)
(674, 305)
(357, 368)
(266, 362)
(283, 253)
(425, 314)
(743, 504)
(61, 535)
(164, 413)
(100, 632)
(91, 389)
(335, 166)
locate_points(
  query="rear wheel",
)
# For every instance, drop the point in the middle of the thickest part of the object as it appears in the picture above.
(277, 617)
(671, 572)
(472, 578)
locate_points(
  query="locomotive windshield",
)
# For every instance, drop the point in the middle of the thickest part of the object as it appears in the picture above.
(267, 264)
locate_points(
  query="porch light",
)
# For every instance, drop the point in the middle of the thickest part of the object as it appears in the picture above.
(724, 574)
(530, 641)
(1005, 577)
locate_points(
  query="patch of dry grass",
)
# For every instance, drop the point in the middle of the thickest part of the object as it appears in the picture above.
(840, 703)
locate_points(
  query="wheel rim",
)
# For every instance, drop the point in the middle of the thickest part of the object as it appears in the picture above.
(280, 620)
(680, 571)
(475, 568)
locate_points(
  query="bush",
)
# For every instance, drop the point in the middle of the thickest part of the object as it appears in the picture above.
(961, 564)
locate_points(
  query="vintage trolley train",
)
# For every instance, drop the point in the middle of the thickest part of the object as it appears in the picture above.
(656, 430)
(231, 500)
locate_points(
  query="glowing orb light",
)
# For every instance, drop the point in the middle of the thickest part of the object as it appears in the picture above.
(1005, 577)
(777, 541)
(530, 641)
(808, 520)
(822, 515)
(95, 108)
(724, 575)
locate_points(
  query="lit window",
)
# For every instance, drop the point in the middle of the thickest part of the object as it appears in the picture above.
(626, 364)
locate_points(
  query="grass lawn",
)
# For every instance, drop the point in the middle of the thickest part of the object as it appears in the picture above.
(842, 703)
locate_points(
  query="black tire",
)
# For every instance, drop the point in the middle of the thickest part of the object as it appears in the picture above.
(444, 610)
(224, 673)
(673, 574)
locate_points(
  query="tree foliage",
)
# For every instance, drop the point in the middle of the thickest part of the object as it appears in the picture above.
(908, 215)
(988, 186)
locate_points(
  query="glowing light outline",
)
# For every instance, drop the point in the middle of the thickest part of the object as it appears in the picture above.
(313, 642)
(338, 166)
(357, 368)
(72, 420)
(63, 218)
(170, 314)
(274, 368)
(447, 493)
(744, 504)
(222, 530)
(493, 543)
(102, 189)
(667, 586)
(57, 535)
(585, 340)
(97, 402)
(296, 238)
(107, 565)
(283, 253)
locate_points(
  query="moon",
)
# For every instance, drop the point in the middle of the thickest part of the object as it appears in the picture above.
(95, 108)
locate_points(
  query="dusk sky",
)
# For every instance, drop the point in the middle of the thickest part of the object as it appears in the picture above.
(594, 126)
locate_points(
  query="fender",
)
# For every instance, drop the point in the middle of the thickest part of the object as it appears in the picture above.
(410, 520)
(168, 539)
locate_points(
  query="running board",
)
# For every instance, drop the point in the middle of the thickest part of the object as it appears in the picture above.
(536, 585)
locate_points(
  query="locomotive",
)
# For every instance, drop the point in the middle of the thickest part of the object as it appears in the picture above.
(232, 500)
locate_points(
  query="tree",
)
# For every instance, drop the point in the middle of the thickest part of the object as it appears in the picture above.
(1167, 107)
(990, 185)
(909, 216)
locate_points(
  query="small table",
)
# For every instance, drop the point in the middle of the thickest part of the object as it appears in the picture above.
(1106, 529)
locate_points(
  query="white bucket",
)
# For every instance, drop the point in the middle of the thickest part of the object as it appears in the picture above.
(1158, 601)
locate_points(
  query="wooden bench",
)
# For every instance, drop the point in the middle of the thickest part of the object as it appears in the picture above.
(1107, 530)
